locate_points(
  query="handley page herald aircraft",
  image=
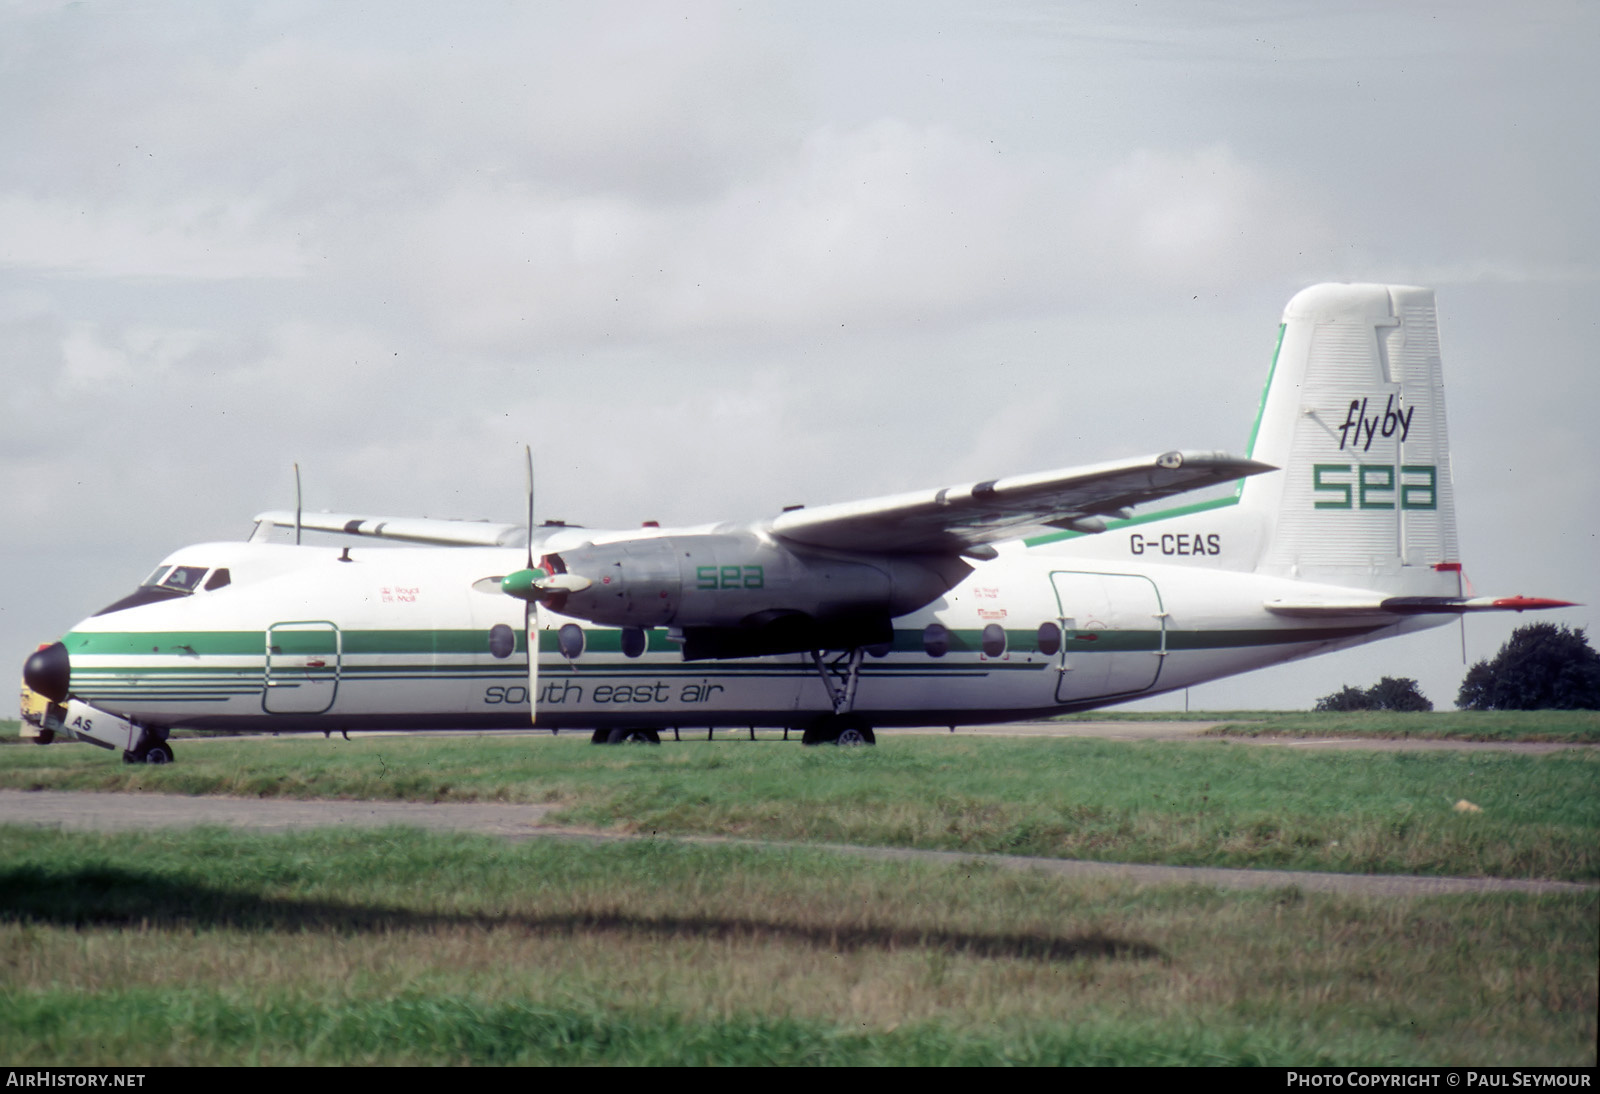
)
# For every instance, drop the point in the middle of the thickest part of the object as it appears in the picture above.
(986, 602)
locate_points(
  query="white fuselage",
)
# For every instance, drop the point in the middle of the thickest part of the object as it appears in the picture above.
(302, 639)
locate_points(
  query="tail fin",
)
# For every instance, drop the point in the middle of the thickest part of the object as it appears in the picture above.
(1354, 415)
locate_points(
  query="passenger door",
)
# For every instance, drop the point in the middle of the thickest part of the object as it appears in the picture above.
(302, 668)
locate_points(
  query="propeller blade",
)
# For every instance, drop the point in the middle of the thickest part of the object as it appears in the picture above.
(532, 597)
(533, 662)
(527, 452)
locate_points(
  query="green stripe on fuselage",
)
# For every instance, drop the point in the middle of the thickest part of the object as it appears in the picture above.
(415, 643)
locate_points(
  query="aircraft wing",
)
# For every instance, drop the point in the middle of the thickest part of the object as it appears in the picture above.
(432, 530)
(962, 519)
(965, 519)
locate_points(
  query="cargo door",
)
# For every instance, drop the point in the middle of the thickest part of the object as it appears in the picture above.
(1113, 635)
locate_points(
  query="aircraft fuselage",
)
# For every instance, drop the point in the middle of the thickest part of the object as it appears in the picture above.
(417, 638)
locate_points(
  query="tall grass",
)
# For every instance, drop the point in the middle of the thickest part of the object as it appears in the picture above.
(404, 947)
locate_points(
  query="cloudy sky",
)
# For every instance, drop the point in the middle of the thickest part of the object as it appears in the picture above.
(712, 259)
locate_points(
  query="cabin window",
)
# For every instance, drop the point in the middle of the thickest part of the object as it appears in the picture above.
(1049, 639)
(634, 641)
(935, 640)
(570, 639)
(219, 577)
(994, 640)
(880, 649)
(502, 640)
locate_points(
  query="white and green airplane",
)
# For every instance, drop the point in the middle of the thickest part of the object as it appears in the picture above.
(985, 602)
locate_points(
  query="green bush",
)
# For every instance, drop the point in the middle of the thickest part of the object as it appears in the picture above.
(1541, 667)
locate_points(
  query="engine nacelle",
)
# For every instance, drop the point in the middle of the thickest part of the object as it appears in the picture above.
(726, 580)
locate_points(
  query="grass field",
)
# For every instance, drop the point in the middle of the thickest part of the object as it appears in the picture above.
(1189, 803)
(401, 947)
(1560, 726)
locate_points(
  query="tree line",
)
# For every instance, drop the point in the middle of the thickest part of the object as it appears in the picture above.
(1542, 666)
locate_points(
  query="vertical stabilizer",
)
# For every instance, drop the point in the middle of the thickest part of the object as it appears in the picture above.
(1354, 415)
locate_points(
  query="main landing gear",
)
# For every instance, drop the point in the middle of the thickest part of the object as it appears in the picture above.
(840, 677)
(150, 750)
(626, 737)
(843, 727)
(839, 729)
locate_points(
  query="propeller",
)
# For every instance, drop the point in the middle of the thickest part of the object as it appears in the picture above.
(535, 585)
(531, 612)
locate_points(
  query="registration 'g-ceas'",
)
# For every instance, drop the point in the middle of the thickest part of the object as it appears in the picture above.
(991, 601)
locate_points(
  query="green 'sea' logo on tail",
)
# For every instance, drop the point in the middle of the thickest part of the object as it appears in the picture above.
(1376, 485)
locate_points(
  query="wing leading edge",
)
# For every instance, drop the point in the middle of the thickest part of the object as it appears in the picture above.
(434, 531)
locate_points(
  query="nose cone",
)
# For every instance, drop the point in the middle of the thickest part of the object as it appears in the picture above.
(48, 672)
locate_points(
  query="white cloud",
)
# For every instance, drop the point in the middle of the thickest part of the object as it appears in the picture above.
(882, 222)
(1205, 216)
(183, 239)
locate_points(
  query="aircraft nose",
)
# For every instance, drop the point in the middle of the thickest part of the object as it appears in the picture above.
(48, 672)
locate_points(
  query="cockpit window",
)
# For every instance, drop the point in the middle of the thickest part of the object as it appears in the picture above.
(185, 579)
(169, 582)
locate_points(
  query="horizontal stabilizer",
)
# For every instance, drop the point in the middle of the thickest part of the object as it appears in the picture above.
(1414, 605)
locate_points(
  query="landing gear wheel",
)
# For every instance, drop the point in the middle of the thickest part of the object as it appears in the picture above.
(600, 737)
(854, 733)
(839, 729)
(633, 737)
(149, 752)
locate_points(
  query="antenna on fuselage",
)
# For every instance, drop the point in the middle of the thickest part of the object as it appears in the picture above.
(297, 505)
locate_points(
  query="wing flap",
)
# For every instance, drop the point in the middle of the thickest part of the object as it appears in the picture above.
(956, 519)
